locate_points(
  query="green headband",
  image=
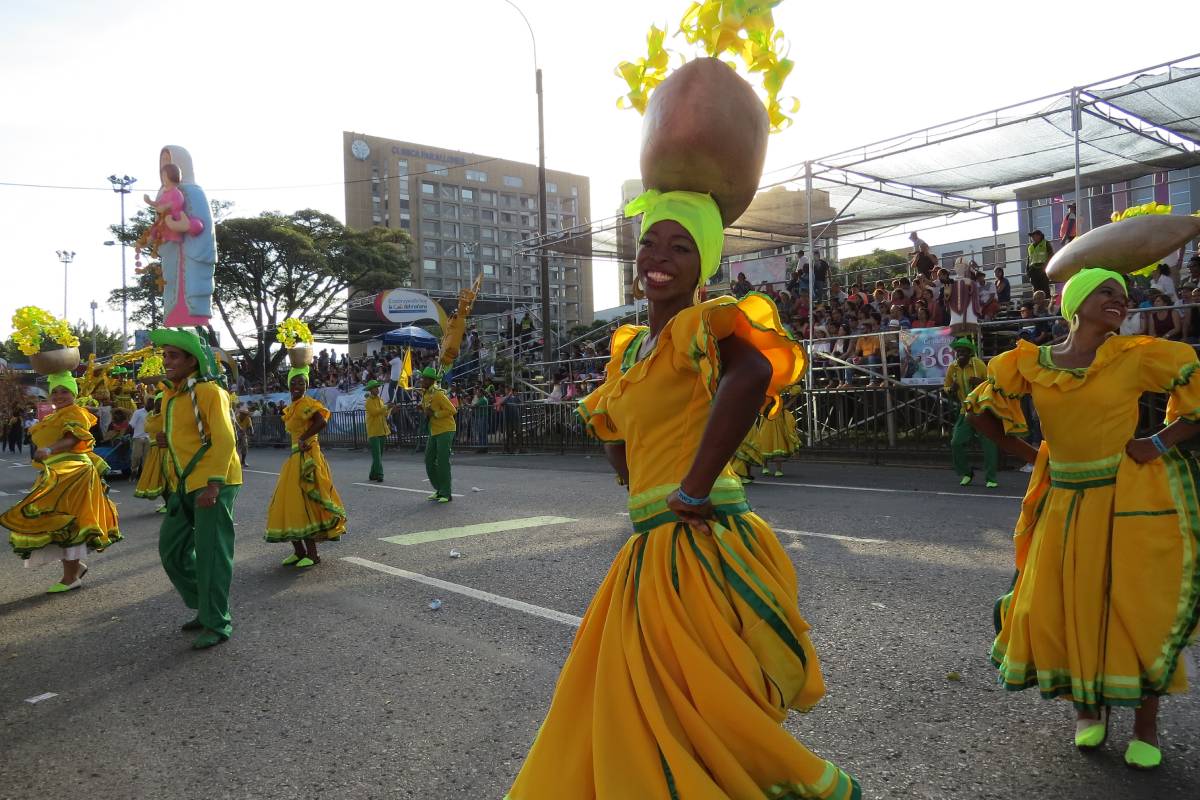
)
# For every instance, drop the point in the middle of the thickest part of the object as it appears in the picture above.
(963, 341)
(190, 343)
(697, 213)
(64, 380)
(1081, 286)
(298, 371)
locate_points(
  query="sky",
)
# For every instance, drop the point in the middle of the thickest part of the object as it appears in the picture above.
(259, 92)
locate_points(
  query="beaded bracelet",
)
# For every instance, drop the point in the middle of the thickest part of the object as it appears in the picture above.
(688, 500)
(1158, 443)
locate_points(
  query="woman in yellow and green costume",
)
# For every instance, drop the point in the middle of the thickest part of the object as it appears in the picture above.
(68, 511)
(152, 482)
(1107, 588)
(776, 439)
(693, 649)
(306, 507)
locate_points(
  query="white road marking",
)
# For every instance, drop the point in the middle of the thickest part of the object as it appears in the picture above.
(467, 591)
(889, 491)
(837, 536)
(259, 471)
(399, 488)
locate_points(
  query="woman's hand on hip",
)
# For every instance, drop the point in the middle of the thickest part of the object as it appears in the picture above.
(696, 516)
(1142, 451)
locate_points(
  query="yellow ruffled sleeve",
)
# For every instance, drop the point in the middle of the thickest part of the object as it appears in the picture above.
(77, 422)
(313, 407)
(592, 409)
(1001, 394)
(1172, 368)
(753, 319)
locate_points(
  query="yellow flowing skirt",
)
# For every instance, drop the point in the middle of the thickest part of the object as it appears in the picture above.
(682, 673)
(67, 506)
(152, 482)
(305, 504)
(1107, 591)
(777, 438)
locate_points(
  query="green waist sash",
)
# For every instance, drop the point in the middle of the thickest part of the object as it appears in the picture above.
(1079, 475)
(648, 509)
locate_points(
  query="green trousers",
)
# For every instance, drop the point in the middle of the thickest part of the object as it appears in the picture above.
(376, 457)
(196, 548)
(963, 435)
(437, 462)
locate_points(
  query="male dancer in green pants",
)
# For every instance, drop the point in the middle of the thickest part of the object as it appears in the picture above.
(440, 412)
(203, 476)
(377, 428)
(967, 372)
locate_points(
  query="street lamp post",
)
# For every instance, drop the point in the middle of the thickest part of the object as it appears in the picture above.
(544, 260)
(121, 186)
(93, 327)
(66, 257)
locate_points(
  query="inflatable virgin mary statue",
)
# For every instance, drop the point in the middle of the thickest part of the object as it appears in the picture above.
(188, 260)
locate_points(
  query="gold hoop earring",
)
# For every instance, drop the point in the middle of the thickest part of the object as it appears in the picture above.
(637, 291)
(1074, 322)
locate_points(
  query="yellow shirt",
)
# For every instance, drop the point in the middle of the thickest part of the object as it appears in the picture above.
(377, 414)
(220, 462)
(442, 419)
(297, 417)
(71, 419)
(958, 377)
(154, 426)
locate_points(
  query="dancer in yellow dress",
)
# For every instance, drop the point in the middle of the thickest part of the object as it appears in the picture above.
(152, 482)
(1107, 589)
(68, 511)
(776, 439)
(693, 649)
(306, 507)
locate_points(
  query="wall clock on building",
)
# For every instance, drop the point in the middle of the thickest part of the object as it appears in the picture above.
(360, 150)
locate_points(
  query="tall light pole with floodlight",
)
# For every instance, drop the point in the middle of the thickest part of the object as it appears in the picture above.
(544, 271)
(66, 257)
(121, 186)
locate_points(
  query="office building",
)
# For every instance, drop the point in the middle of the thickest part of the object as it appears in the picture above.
(472, 215)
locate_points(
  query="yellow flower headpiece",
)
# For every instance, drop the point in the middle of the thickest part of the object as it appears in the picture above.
(741, 28)
(32, 324)
(152, 366)
(293, 331)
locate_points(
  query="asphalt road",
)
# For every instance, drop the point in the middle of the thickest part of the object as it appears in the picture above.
(341, 681)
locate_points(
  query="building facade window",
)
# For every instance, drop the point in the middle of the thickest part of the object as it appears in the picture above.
(487, 197)
(436, 169)
(470, 213)
(402, 168)
(428, 188)
(430, 227)
(429, 265)
(515, 183)
(487, 215)
(476, 175)
(467, 194)
(470, 233)
(429, 247)
(1141, 190)
(449, 211)
(429, 208)
(552, 188)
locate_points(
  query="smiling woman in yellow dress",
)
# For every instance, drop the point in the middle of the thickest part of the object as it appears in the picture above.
(305, 507)
(1107, 589)
(68, 511)
(693, 649)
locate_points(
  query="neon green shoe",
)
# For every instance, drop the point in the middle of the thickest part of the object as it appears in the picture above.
(292, 559)
(433, 498)
(1090, 734)
(766, 472)
(207, 640)
(1142, 755)
(992, 485)
(161, 510)
(966, 480)
(778, 473)
(304, 562)
(59, 588)
(443, 499)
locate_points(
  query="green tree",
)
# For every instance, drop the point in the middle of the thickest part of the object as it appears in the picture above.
(275, 266)
(874, 265)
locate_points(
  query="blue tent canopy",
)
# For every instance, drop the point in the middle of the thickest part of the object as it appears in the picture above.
(411, 336)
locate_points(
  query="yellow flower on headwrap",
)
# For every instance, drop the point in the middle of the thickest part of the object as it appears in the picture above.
(741, 28)
(697, 213)
(1080, 287)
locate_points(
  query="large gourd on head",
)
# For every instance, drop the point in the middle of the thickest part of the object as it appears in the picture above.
(705, 130)
(1126, 246)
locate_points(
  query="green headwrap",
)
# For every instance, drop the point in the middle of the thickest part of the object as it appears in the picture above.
(697, 213)
(964, 341)
(301, 371)
(64, 379)
(1083, 284)
(429, 372)
(192, 344)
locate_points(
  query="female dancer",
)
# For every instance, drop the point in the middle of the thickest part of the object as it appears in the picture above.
(693, 649)
(306, 506)
(1107, 590)
(68, 506)
(776, 440)
(152, 482)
